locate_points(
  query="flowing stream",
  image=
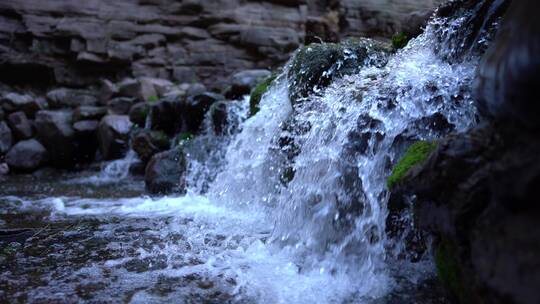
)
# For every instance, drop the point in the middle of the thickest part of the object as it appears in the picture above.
(241, 234)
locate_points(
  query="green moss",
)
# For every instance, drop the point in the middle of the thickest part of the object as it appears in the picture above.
(449, 270)
(400, 40)
(152, 98)
(185, 136)
(416, 153)
(257, 94)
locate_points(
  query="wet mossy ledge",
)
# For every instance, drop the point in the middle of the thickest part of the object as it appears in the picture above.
(258, 92)
(415, 154)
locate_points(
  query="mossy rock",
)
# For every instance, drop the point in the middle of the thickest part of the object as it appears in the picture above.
(416, 153)
(316, 65)
(400, 40)
(257, 94)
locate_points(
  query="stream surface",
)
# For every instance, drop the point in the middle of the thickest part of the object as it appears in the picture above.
(241, 234)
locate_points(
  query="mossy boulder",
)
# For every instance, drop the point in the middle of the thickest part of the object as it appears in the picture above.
(147, 143)
(416, 153)
(166, 172)
(257, 94)
(316, 65)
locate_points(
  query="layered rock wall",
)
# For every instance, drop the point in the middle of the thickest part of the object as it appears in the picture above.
(74, 43)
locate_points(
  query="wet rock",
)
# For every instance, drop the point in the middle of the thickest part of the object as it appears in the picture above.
(218, 114)
(147, 143)
(243, 82)
(12, 102)
(470, 182)
(20, 125)
(2, 114)
(120, 105)
(71, 98)
(166, 115)
(315, 66)
(6, 138)
(195, 108)
(165, 173)
(89, 113)
(113, 136)
(508, 76)
(138, 113)
(54, 130)
(26, 155)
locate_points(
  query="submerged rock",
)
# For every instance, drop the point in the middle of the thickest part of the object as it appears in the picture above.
(165, 173)
(113, 136)
(26, 155)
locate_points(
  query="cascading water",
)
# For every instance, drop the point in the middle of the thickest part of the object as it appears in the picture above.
(244, 233)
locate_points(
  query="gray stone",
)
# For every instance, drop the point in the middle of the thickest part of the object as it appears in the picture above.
(70, 98)
(4, 169)
(12, 102)
(89, 113)
(20, 125)
(243, 82)
(26, 155)
(108, 91)
(120, 105)
(113, 136)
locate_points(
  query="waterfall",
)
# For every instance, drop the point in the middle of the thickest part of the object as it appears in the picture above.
(331, 216)
(289, 205)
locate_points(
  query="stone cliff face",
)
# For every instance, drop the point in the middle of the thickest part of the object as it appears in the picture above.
(75, 43)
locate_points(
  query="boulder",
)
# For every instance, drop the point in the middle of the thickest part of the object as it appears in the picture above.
(166, 115)
(315, 66)
(71, 98)
(20, 125)
(243, 82)
(147, 143)
(194, 109)
(157, 85)
(86, 139)
(113, 136)
(6, 138)
(165, 173)
(138, 113)
(142, 89)
(89, 113)
(508, 76)
(26, 155)
(120, 105)
(12, 102)
(54, 130)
